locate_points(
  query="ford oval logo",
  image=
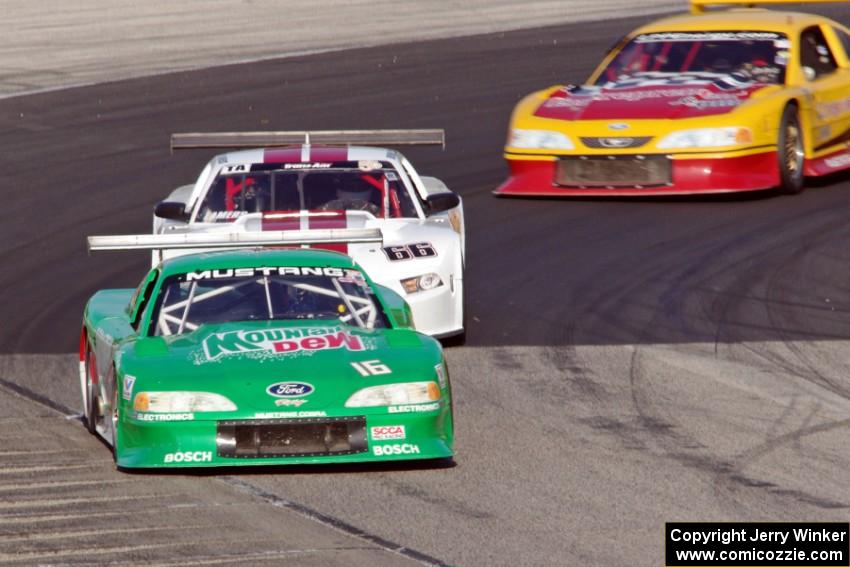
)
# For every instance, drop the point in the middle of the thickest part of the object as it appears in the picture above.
(618, 126)
(290, 389)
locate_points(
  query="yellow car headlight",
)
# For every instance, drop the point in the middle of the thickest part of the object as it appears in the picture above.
(539, 139)
(707, 138)
(181, 402)
(395, 394)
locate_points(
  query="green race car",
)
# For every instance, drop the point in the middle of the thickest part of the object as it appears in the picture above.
(261, 357)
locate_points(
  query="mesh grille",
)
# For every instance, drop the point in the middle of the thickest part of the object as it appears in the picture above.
(615, 142)
(614, 171)
(291, 437)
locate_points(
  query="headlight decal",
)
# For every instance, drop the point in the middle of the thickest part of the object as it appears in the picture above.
(395, 395)
(425, 282)
(707, 138)
(181, 402)
(539, 139)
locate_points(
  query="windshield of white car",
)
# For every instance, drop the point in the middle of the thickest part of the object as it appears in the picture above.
(187, 301)
(374, 187)
(751, 56)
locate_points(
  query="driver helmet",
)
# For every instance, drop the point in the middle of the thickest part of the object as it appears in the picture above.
(352, 188)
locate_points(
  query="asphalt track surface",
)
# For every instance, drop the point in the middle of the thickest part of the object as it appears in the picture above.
(629, 362)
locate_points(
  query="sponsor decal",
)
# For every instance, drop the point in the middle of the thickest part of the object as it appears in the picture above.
(189, 457)
(371, 368)
(628, 96)
(102, 337)
(312, 165)
(290, 389)
(234, 168)
(455, 220)
(355, 277)
(842, 160)
(441, 376)
(294, 403)
(127, 392)
(414, 408)
(829, 110)
(403, 449)
(387, 432)
(708, 36)
(280, 341)
(275, 271)
(212, 216)
(368, 165)
(164, 416)
(708, 99)
(410, 251)
(288, 414)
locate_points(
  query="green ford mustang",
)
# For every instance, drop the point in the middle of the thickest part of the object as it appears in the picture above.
(258, 357)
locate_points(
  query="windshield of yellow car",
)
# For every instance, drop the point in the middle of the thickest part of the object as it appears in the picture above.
(751, 56)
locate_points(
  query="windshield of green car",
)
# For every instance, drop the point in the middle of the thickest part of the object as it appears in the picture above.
(754, 56)
(187, 301)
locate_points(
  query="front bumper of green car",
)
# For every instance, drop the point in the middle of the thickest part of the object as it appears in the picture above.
(356, 435)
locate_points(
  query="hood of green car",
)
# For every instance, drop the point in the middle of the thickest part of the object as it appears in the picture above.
(279, 365)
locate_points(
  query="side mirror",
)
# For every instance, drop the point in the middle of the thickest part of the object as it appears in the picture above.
(439, 202)
(397, 307)
(171, 210)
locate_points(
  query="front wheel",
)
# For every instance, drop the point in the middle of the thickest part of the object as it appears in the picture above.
(790, 153)
(460, 338)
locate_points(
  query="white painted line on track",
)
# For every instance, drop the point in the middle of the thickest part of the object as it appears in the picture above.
(57, 467)
(82, 551)
(46, 535)
(56, 502)
(60, 484)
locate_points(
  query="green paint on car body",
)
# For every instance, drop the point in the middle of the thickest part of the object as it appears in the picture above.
(261, 392)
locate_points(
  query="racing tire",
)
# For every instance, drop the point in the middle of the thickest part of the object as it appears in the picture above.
(443, 463)
(790, 152)
(114, 424)
(460, 338)
(92, 407)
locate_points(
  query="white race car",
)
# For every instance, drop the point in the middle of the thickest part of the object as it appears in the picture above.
(321, 183)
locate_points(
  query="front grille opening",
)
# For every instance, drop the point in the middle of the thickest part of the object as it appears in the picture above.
(291, 437)
(614, 172)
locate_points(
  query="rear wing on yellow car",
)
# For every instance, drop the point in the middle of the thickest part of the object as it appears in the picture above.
(702, 6)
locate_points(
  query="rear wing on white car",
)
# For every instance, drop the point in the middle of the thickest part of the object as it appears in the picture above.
(234, 239)
(432, 137)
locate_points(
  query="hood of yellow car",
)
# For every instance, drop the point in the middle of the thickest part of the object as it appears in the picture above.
(651, 96)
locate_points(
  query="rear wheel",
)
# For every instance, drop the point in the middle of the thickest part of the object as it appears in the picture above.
(92, 394)
(790, 153)
(115, 422)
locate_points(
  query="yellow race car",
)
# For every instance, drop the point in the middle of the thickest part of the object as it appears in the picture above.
(724, 99)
